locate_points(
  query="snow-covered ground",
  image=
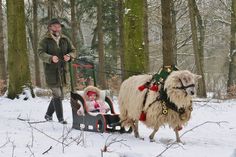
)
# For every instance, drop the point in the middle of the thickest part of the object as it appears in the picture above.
(211, 132)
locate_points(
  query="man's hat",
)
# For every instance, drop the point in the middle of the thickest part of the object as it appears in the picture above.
(54, 21)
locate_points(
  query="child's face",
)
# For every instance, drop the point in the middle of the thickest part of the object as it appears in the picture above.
(92, 97)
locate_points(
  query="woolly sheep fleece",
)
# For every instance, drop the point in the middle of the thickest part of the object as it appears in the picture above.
(131, 101)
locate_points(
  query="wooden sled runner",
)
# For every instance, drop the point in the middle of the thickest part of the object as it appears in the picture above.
(95, 122)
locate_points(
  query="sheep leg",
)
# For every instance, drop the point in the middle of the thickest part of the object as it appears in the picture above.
(152, 135)
(133, 126)
(136, 133)
(177, 135)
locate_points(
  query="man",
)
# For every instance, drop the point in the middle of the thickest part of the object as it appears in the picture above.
(55, 50)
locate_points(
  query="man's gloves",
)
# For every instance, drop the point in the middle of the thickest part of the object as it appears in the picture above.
(55, 59)
(66, 57)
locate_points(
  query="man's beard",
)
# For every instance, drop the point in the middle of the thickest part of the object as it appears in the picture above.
(55, 34)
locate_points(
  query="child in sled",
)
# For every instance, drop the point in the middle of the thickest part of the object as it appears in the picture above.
(93, 100)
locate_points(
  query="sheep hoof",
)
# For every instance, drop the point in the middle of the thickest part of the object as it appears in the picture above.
(152, 140)
(179, 141)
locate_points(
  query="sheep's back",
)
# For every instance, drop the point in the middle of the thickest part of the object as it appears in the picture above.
(130, 99)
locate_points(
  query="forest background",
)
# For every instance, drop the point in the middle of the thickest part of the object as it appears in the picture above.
(123, 38)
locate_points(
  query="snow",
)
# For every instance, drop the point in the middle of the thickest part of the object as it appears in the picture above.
(211, 132)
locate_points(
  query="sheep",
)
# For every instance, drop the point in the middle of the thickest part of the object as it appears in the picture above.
(171, 104)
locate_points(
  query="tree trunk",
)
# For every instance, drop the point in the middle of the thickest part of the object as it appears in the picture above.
(74, 24)
(81, 36)
(35, 43)
(232, 63)
(101, 69)
(3, 72)
(18, 64)
(50, 9)
(114, 35)
(167, 38)
(174, 31)
(197, 44)
(121, 38)
(136, 58)
(146, 36)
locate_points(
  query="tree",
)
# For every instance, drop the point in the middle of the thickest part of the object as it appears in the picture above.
(110, 9)
(232, 64)
(18, 65)
(194, 16)
(167, 38)
(174, 31)
(35, 43)
(74, 28)
(101, 71)
(50, 9)
(121, 38)
(146, 40)
(3, 73)
(135, 57)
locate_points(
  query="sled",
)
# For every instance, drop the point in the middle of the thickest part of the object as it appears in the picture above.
(95, 122)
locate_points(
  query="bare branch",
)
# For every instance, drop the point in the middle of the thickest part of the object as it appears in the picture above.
(13, 148)
(28, 120)
(225, 5)
(112, 141)
(173, 143)
(207, 122)
(32, 137)
(47, 150)
(7, 141)
(48, 135)
(32, 154)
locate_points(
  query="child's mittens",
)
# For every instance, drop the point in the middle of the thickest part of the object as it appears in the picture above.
(96, 105)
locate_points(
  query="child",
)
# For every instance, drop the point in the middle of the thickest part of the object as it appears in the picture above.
(93, 101)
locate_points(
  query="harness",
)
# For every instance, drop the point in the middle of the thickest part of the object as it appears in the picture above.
(166, 103)
(184, 87)
(163, 97)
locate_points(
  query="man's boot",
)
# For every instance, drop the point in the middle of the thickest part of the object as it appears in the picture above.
(59, 110)
(50, 110)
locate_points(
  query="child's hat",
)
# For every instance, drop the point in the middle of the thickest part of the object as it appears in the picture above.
(89, 93)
